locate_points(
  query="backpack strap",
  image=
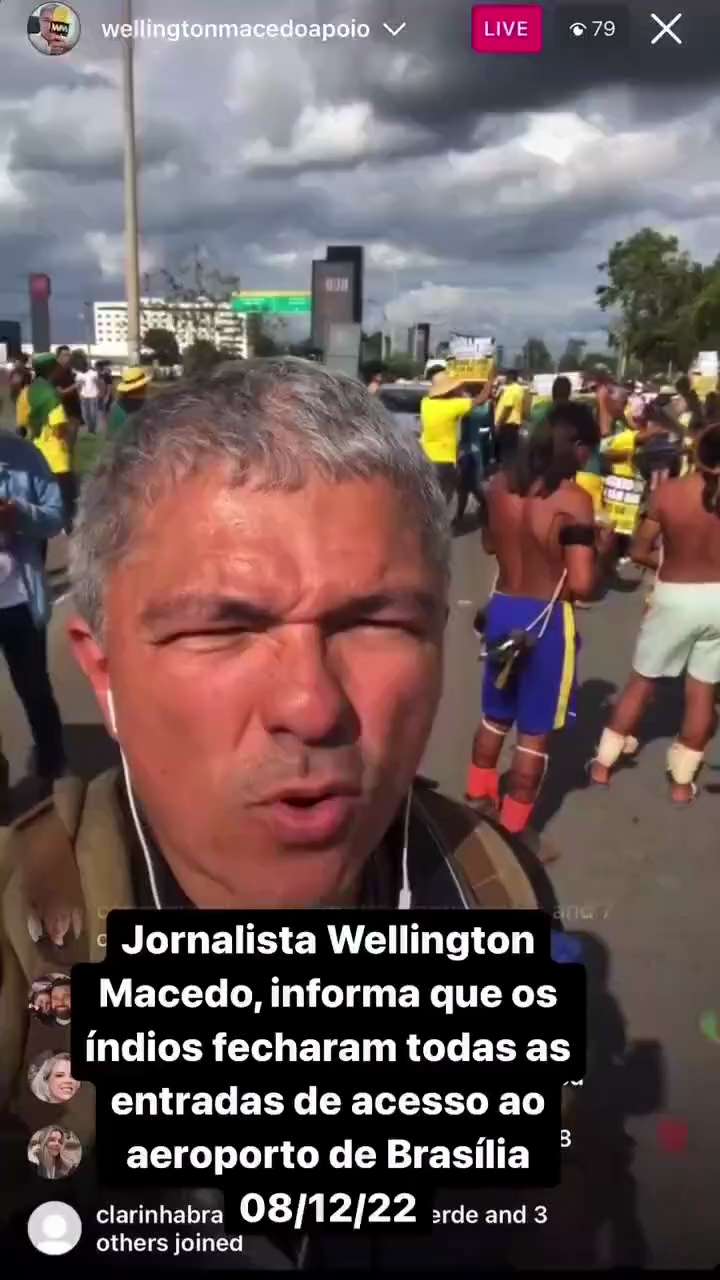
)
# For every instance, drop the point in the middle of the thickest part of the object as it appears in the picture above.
(485, 861)
(41, 897)
(44, 854)
(68, 867)
(493, 875)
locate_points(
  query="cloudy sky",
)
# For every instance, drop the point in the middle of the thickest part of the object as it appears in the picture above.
(486, 190)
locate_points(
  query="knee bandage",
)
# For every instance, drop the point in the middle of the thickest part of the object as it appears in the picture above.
(612, 745)
(540, 755)
(683, 763)
(494, 728)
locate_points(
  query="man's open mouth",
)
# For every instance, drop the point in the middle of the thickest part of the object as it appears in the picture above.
(310, 818)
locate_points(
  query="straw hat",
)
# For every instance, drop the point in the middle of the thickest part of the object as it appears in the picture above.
(133, 379)
(444, 383)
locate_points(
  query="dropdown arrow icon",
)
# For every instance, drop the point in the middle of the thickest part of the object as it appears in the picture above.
(394, 31)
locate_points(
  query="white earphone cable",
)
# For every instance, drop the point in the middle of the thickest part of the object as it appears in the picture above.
(405, 896)
(133, 807)
(140, 833)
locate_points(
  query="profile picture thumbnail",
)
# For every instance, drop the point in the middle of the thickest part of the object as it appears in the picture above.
(51, 1079)
(54, 1227)
(55, 1151)
(53, 29)
(49, 1000)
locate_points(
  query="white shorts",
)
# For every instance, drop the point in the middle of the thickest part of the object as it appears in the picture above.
(681, 630)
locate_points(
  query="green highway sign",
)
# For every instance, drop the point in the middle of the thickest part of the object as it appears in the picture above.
(279, 304)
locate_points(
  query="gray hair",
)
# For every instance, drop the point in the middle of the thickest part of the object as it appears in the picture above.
(276, 420)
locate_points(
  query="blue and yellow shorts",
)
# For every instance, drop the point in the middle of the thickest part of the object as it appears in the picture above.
(540, 694)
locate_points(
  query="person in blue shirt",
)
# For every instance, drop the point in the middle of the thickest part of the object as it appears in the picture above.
(31, 511)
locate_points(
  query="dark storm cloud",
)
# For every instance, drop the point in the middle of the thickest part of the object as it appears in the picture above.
(25, 72)
(446, 86)
(35, 149)
(15, 83)
(255, 151)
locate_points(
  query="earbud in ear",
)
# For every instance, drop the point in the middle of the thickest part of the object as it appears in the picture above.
(111, 712)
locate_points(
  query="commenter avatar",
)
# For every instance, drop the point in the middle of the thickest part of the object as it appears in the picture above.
(56, 1152)
(51, 1079)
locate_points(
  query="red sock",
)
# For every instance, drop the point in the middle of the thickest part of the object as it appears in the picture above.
(483, 784)
(515, 814)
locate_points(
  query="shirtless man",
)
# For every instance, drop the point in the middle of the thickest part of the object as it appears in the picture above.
(540, 527)
(681, 630)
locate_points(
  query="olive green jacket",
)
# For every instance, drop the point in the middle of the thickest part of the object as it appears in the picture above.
(69, 858)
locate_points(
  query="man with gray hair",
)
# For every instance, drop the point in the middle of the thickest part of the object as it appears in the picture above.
(260, 571)
(52, 21)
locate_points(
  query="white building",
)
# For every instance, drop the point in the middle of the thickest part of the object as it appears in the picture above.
(188, 321)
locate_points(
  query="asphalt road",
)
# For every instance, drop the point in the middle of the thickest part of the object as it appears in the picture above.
(636, 878)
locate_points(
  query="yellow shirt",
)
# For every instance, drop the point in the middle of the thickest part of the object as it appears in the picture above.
(512, 398)
(22, 409)
(441, 426)
(54, 444)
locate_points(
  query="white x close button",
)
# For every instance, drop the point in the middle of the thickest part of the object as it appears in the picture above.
(666, 28)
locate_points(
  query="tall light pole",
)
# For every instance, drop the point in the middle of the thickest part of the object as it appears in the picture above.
(132, 267)
(89, 328)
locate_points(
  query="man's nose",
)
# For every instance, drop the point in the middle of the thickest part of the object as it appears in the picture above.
(304, 693)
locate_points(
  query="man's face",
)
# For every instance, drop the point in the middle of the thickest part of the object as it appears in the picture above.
(60, 1001)
(63, 358)
(264, 649)
(41, 1002)
(46, 17)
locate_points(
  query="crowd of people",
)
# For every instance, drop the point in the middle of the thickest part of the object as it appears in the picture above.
(539, 474)
(52, 402)
(568, 492)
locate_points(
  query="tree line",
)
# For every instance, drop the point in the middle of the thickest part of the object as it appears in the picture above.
(662, 306)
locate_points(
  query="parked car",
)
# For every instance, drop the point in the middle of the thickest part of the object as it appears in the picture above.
(402, 400)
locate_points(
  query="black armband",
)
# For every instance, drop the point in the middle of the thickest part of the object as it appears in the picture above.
(577, 535)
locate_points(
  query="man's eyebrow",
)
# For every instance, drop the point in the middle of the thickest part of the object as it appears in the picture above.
(192, 609)
(418, 601)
